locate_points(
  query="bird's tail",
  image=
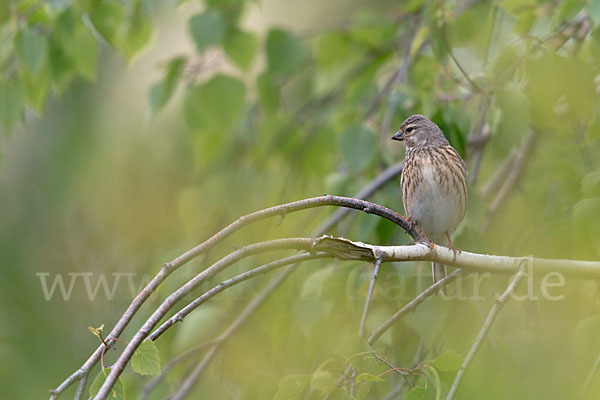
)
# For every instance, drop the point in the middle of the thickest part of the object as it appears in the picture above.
(439, 271)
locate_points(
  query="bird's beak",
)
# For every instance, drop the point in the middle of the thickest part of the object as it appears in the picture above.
(398, 136)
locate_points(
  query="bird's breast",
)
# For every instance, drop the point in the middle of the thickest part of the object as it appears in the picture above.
(433, 195)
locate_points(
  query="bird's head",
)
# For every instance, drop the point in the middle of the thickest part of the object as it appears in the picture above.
(418, 131)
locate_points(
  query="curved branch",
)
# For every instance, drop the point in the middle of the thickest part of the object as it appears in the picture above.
(171, 300)
(348, 250)
(193, 377)
(181, 314)
(170, 267)
(484, 330)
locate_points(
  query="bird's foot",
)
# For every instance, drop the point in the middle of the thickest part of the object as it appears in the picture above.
(455, 251)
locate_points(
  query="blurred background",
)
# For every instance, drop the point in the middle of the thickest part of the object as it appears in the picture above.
(131, 130)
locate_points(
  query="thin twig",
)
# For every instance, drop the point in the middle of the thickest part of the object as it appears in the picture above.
(431, 290)
(363, 319)
(190, 381)
(473, 84)
(383, 360)
(181, 314)
(399, 78)
(81, 387)
(478, 139)
(151, 384)
(399, 75)
(499, 175)
(511, 180)
(590, 377)
(484, 330)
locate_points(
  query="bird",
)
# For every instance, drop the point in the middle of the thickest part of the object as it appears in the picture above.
(434, 183)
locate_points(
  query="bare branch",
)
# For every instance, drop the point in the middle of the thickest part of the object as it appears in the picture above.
(484, 330)
(414, 303)
(193, 377)
(511, 180)
(499, 175)
(363, 319)
(170, 267)
(81, 387)
(399, 77)
(171, 300)
(478, 139)
(364, 193)
(386, 176)
(473, 84)
(590, 377)
(180, 315)
(151, 384)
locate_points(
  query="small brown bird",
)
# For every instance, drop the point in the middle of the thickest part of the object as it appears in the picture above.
(434, 182)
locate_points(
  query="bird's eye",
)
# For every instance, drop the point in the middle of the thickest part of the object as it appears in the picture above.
(409, 129)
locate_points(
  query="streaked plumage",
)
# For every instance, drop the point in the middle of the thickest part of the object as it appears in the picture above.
(434, 182)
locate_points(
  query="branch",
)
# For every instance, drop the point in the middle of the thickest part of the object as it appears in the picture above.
(364, 193)
(363, 319)
(499, 175)
(414, 303)
(484, 330)
(399, 77)
(171, 300)
(347, 250)
(590, 377)
(400, 73)
(511, 180)
(151, 384)
(386, 176)
(379, 181)
(175, 264)
(478, 139)
(473, 84)
(180, 315)
(189, 382)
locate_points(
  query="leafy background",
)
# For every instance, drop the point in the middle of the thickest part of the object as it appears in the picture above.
(133, 129)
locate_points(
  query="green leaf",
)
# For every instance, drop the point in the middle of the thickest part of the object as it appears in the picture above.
(292, 387)
(207, 29)
(161, 92)
(146, 360)
(11, 103)
(416, 393)
(268, 91)
(333, 48)
(83, 51)
(138, 32)
(585, 216)
(32, 48)
(590, 184)
(240, 47)
(366, 377)
(216, 105)
(448, 361)
(358, 145)
(106, 17)
(593, 8)
(322, 381)
(116, 393)
(285, 53)
(36, 87)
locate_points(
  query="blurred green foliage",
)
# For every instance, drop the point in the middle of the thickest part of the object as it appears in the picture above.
(267, 105)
